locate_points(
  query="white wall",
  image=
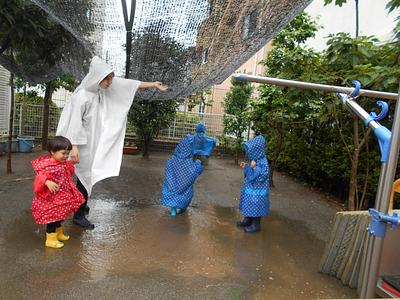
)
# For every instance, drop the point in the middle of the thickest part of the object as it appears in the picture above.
(5, 98)
(373, 20)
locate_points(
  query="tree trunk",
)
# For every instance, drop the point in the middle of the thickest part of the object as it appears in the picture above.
(351, 203)
(275, 156)
(46, 111)
(364, 191)
(237, 147)
(236, 156)
(11, 123)
(146, 145)
(353, 181)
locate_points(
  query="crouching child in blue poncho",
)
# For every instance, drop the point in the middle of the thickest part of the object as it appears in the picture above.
(254, 198)
(180, 174)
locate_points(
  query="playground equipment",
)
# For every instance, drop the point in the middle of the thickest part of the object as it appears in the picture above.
(389, 155)
(380, 220)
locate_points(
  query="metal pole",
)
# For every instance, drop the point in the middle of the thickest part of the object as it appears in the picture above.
(388, 171)
(314, 86)
(128, 27)
(22, 107)
(361, 113)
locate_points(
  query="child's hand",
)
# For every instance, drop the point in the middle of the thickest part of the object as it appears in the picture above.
(53, 187)
(253, 164)
(242, 164)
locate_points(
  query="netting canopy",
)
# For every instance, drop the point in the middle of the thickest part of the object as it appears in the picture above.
(187, 44)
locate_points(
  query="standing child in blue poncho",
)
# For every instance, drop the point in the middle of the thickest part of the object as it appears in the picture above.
(180, 174)
(254, 198)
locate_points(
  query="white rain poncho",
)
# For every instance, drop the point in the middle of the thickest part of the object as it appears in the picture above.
(95, 120)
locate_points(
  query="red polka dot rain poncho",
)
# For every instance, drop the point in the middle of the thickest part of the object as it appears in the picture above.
(48, 207)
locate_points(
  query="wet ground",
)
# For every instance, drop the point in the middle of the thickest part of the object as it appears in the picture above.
(137, 251)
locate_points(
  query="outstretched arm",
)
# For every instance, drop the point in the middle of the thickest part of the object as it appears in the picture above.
(157, 84)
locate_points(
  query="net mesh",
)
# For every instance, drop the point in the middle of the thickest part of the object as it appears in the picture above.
(187, 44)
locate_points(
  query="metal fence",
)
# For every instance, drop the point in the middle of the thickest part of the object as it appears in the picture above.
(28, 120)
(185, 123)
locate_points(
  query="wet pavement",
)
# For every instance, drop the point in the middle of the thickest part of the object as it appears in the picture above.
(137, 251)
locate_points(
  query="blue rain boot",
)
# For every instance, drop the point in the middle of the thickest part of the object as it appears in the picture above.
(173, 212)
(245, 222)
(180, 211)
(254, 227)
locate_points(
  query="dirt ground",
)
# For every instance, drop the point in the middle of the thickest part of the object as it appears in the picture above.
(137, 251)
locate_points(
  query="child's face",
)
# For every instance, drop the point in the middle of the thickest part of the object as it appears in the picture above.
(60, 155)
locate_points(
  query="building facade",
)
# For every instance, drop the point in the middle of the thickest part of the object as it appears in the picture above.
(252, 67)
(5, 100)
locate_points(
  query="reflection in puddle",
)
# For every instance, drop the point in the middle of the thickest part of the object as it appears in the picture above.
(127, 241)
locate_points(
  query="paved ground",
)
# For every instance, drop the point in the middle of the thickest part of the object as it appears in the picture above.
(137, 251)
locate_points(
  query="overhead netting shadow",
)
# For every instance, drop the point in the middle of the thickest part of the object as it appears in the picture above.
(187, 44)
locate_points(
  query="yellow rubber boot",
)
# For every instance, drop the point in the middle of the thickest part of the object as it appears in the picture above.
(52, 242)
(60, 234)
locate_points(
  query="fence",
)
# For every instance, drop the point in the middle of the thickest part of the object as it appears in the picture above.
(185, 123)
(28, 120)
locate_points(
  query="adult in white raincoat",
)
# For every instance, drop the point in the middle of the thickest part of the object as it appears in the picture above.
(94, 120)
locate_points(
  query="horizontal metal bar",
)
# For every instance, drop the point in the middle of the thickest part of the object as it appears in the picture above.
(314, 86)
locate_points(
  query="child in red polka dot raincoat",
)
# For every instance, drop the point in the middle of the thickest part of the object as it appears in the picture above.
(56, 195)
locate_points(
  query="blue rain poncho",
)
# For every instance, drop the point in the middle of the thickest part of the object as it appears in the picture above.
(203, 145)
(254, 198)
(180, 174)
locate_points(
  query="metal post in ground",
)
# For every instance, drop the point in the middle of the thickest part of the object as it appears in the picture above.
(388, 171)
(128, 28)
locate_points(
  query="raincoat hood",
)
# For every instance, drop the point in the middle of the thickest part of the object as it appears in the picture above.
(185, 148)
(98, 70)
(255, 148)
(41, 163)
(203, 145)
(201, 128)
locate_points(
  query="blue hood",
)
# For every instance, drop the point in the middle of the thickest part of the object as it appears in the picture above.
(200, 137)
(203, 145)
(255, 148)
(185, 147)
(201, 128)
